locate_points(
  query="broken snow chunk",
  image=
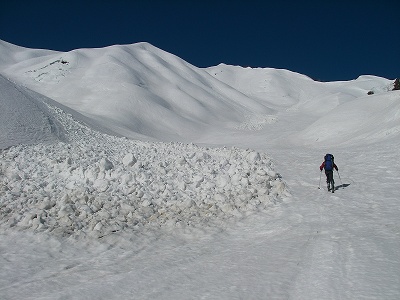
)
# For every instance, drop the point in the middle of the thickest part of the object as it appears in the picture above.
(182, 185)
(70, 185)
(224, 163)
(68, 161)
(254, 156)
(182, 161)
(226, 207)
(126, 178)
(146, 203)
(185, 204)
(140, 193)
(65, 210)
(47, 204)
(203, 156)
(279, 187)
(263, 191)
(220, 198)
(191, 155)
(198, 179)
(129, 160)
(101, 185)
(236, 178)
(12, 174)
(105, 164)
(222, 181)
(261, 172)
(98, 226)
(244, 181)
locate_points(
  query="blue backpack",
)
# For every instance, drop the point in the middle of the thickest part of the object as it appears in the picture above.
(328, 162)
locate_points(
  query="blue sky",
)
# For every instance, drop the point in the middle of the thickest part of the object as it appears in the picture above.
(326, 40)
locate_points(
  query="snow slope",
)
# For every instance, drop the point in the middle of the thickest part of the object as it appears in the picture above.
(130, 87)
(89, 214)
(23, 118)
(127, 88)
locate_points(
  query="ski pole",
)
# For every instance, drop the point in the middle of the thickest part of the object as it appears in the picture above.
(340, 178)
(319, 185)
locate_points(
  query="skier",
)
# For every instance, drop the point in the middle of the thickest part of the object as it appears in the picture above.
(329, 164)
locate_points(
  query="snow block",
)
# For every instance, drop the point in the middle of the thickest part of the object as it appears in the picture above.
(129, 160)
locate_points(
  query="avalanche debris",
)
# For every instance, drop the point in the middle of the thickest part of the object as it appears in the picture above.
(97, 184)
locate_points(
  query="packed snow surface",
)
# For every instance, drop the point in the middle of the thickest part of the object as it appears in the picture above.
(126, 172)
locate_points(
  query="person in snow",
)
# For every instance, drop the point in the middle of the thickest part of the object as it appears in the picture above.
(328, 164)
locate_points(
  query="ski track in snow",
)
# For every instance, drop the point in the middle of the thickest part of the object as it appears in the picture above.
(353, 231)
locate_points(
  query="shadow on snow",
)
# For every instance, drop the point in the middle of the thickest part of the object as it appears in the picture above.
(342, 186)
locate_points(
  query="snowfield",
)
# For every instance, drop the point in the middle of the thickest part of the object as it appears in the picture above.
(127, 173)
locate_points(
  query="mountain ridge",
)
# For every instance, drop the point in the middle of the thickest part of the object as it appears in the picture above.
(139, 91)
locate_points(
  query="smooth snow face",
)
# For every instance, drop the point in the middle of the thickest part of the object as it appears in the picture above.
(12, 54)
(332, 113)
(364, 120)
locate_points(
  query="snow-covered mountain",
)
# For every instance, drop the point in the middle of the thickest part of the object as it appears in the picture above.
(141, 91)
(127, 172)
(135, 89)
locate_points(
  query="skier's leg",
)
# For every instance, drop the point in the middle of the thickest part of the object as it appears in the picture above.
(328, 180)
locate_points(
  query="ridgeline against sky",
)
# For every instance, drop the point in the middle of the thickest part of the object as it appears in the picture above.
(326, 41)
